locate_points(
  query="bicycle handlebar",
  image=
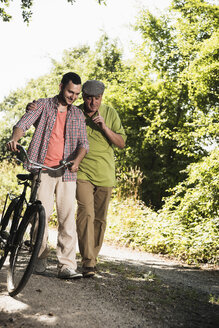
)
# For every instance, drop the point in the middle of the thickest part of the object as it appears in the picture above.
(63, 163)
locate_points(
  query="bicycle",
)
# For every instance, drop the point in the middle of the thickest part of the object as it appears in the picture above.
(22, 227)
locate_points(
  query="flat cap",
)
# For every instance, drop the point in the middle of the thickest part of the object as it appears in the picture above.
(93, 88)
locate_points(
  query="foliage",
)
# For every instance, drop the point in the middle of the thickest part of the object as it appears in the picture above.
(188, 199)
(187, 226)
(107, 60)
(26, 6)
(194, 205)
(166, 96)
(8, 180)
(128, 183)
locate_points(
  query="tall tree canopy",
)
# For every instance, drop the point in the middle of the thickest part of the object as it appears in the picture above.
(169, 98)
(166, 96)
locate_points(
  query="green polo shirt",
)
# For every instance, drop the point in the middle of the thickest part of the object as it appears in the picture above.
(98, 166)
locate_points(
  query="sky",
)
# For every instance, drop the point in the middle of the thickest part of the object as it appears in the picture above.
(56, 25)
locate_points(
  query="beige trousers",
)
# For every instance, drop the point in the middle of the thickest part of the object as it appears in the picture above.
(52, 185)
(93, 202)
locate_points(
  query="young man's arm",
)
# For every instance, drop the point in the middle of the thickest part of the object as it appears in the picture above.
(24, 124)
(16, 135)
(80, 155)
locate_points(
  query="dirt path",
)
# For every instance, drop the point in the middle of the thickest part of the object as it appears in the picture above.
(131, 290)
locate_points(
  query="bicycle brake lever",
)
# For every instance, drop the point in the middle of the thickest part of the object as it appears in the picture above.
(63, 162)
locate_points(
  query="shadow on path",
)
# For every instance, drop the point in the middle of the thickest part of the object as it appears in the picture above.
(127, 292)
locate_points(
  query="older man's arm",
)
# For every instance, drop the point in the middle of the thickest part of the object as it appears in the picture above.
(113, 137)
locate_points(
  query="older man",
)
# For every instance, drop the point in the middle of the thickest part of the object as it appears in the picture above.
(96, 174)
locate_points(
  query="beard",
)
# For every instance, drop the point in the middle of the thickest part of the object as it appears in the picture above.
(64, 100)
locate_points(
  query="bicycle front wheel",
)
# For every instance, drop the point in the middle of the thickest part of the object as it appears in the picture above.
(5, 230)
(26, 247)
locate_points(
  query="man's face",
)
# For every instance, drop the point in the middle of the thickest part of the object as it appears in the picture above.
(92, 103)
(70, 92)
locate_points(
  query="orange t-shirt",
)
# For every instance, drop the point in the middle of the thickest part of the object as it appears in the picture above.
(56, 145)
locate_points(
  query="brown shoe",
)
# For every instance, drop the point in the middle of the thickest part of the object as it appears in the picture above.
(88, 272)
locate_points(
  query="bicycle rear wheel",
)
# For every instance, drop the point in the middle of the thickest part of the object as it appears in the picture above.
(26, 247)
(5, 229)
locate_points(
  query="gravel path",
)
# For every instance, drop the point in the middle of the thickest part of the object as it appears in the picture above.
(132, 290)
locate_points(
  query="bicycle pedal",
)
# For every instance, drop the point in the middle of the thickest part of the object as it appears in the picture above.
(4, 234)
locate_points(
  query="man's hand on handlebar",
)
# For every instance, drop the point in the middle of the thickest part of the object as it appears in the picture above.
(12, 145)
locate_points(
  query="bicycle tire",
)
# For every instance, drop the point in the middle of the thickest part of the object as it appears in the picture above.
(5, 230)
(26, 248)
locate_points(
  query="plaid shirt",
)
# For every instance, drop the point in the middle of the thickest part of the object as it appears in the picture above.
(44, 119)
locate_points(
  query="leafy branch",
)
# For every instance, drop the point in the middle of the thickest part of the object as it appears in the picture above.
(26, 6)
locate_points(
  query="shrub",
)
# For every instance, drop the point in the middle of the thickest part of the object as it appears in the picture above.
(187, 227)
(8, 179)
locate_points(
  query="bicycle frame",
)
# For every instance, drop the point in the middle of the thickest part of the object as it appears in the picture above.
(26, 177)
(21, 199)
(26, 228)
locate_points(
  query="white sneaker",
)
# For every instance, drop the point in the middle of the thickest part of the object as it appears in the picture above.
(40, 265)
(69, 273)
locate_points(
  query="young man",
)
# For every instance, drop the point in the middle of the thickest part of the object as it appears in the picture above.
(96, 174)
(60, 133)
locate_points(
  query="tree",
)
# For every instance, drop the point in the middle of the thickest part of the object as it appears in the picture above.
(107, 59)
(168, 96)
(191, 212)
(26, 6)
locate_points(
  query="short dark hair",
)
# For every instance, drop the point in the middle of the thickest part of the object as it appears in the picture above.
(75, 78)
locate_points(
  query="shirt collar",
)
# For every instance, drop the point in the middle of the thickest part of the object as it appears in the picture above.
(56, 103)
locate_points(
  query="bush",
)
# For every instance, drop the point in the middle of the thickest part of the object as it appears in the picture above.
(187, 227)
(8, 179)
